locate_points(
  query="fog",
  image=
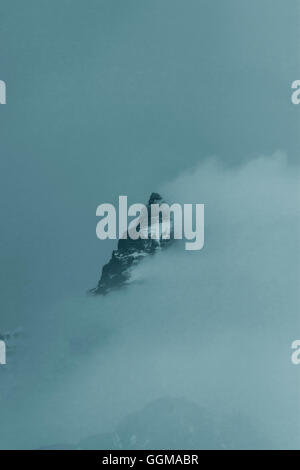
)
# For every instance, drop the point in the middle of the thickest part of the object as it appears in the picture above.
(213, 327)
(113, 98)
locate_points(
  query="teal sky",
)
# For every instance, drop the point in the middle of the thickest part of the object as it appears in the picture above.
(119, 97)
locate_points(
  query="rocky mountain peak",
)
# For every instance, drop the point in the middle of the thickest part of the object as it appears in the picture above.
(117, 272)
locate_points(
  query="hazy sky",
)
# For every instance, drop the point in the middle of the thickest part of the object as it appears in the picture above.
(123, 97)
(107, 98)
(214, 327)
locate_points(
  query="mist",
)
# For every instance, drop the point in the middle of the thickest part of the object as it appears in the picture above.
(213, 327)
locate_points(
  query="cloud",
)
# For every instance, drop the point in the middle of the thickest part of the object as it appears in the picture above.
(213, 326)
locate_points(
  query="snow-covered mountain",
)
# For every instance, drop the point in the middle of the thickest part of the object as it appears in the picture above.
(117, 272)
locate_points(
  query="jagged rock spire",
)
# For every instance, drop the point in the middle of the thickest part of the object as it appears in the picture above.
(155, 198)
(116, 273)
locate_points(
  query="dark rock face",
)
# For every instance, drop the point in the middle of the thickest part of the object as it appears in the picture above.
(116, 273)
